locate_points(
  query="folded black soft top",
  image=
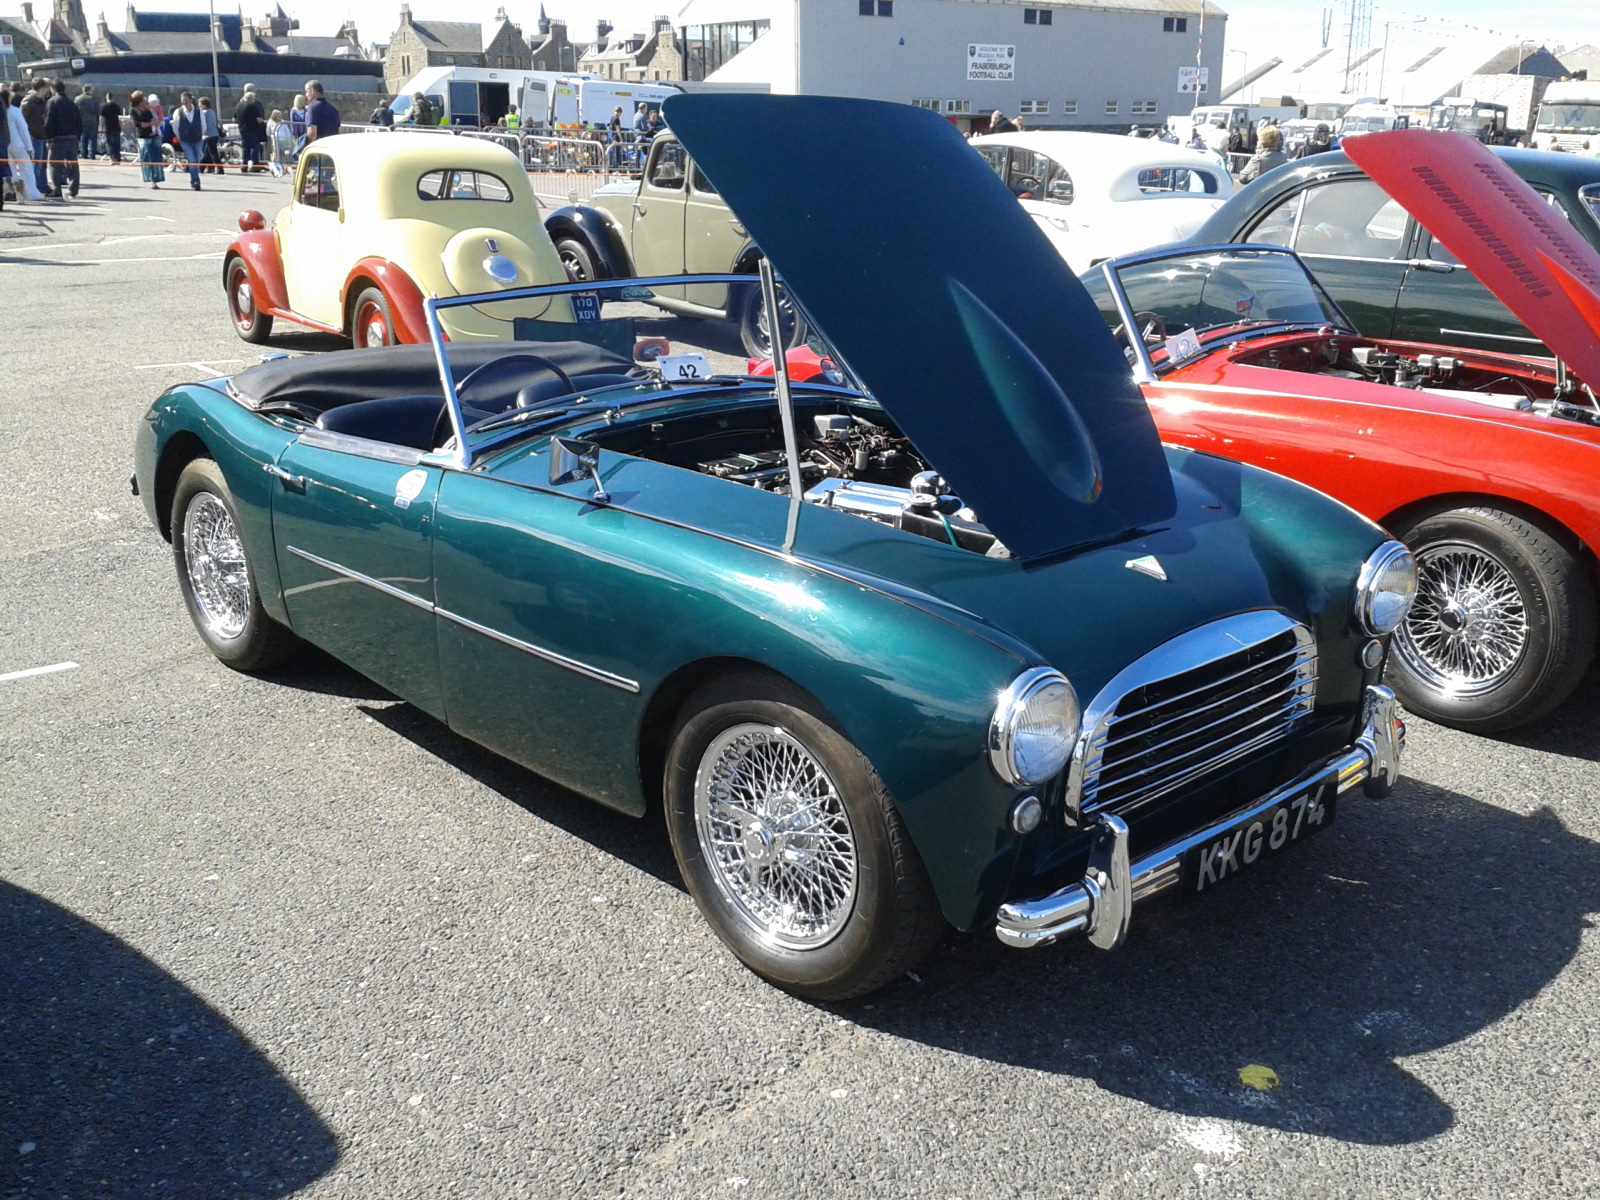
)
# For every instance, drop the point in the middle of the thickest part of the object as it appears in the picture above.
(311, 384)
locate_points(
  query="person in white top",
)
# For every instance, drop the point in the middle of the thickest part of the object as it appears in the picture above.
(22, 174)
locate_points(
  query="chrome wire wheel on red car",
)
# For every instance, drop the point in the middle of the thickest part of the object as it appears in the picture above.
(248, 320)
(1503, 624)
(371, 326)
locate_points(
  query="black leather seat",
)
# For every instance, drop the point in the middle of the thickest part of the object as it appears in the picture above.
(399, 420)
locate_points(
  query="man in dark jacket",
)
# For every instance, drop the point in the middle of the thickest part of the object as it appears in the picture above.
(252, 121)
(33, 107)
(63, 128)
(89, 113)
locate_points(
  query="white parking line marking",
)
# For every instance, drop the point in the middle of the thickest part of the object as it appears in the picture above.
(50, 670)
(200, 365)
(85, 262)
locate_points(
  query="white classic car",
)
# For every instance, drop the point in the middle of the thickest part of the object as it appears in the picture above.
(1097, 196)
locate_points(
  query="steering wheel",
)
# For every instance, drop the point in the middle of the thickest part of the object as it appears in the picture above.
(1024, 183)
(1152, 330)
(497, 365)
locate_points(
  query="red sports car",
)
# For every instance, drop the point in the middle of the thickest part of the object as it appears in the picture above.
(1485, 464)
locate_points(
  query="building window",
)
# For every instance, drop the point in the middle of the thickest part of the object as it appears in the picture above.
(1174, 24)
(933, 104)
(876, 8)
(958, 106)
(1037, 16)
(405, 65)
(1143, 107)
(707, 47)
(1069, 108)
(1034, 108)
(1111, 106)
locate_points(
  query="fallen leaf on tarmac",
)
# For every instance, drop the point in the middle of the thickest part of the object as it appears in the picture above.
(1263, 1079)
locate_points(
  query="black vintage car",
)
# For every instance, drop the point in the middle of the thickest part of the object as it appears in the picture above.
(1387, 272)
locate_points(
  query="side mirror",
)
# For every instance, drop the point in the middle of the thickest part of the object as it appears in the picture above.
(572, 460)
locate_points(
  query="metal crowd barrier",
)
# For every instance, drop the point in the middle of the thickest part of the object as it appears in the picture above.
(561, 167)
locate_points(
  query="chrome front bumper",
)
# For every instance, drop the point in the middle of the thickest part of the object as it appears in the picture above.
(1100, 905)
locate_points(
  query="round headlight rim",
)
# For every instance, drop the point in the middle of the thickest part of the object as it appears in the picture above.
(1002, 731)
(1374, 568)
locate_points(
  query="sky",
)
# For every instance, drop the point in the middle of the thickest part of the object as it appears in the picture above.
(1254, 26)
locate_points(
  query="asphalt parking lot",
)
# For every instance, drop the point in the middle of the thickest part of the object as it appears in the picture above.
(286, 935)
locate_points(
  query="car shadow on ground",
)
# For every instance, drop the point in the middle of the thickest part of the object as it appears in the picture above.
(120, 1082)
(293, 339)
(1414, 923)
(1570, 730)
(641, 843)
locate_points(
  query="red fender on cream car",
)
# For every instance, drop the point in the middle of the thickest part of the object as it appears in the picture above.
(382, 305)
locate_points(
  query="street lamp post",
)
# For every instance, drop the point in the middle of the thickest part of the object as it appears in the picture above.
(216, 87)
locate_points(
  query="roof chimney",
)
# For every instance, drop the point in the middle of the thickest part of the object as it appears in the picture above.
(405, 14)
(601, 31)
(102, 30)
(27, 13)
(500, 15)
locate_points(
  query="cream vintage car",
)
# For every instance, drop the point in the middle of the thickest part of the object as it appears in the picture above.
(672, 221)
(1097, 196)
(379, 221)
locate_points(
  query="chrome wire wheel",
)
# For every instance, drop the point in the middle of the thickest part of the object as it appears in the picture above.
(776, 836)
(215, 560)
(1468, 628)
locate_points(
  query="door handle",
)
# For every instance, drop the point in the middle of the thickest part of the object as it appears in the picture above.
(638, 208)
(1433, 265)
(737, 228)
(295, 483)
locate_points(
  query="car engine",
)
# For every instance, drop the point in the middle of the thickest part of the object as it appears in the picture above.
(855, 465)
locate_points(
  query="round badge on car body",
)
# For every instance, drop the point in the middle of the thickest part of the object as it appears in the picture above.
(500, 268)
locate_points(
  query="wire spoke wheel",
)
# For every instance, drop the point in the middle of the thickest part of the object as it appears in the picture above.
(776, 835)
(1468, 628)
(218, 572)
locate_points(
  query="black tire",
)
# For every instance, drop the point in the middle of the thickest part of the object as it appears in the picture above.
(215, 575)
(577, 260)
(370, 323)
(1503, 627)
(879, 918)
(249, 322)
(749, 313)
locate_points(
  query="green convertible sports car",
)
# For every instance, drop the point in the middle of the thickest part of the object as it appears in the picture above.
(950, 640)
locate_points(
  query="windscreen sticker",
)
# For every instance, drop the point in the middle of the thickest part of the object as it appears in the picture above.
(1182, 345)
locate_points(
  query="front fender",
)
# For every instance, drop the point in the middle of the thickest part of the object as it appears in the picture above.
(597, 231)
(263, 259)
(399, 290)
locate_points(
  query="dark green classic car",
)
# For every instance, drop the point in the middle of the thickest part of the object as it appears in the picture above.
(949, 641)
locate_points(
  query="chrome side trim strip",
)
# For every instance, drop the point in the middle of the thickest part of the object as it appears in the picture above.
(388, 589)
(550, 656)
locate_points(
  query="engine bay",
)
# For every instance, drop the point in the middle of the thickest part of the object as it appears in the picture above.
(1480, 378)
(852, 458)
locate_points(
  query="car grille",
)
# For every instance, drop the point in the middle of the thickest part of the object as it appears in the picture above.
(1192, 705)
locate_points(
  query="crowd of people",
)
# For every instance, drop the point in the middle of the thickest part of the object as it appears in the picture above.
(45, 134)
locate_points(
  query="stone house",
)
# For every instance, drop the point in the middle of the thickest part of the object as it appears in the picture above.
(636, 57)
(418, 44)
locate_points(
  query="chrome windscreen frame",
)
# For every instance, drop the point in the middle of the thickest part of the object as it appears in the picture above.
(1144, 368)
(461, 456)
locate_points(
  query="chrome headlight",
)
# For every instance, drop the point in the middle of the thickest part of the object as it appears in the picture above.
(1034, 727)
(1384, 592)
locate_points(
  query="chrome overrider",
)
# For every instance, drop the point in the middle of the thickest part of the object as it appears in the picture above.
(1100, 905)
